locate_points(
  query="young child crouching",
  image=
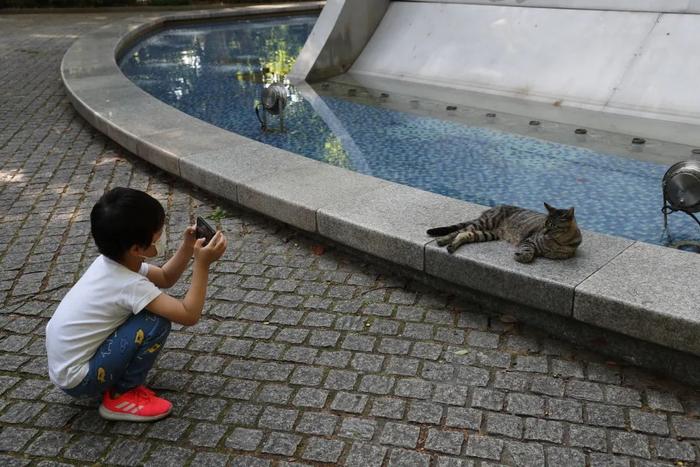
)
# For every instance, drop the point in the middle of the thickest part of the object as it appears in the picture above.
(108, 330)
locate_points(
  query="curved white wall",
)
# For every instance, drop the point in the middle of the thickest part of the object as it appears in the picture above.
(643, 64)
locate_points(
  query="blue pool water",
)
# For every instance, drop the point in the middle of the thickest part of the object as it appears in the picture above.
(215, 72)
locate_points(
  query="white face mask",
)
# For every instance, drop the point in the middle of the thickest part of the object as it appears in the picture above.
(159, 246)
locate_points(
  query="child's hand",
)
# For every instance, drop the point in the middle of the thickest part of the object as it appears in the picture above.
(189, 237)
(213, 251)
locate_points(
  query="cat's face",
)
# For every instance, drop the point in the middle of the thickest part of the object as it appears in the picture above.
(559, 219)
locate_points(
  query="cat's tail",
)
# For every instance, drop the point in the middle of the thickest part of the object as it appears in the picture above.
(440, 231)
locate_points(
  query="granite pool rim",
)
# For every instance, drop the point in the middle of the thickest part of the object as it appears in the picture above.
(614, 283)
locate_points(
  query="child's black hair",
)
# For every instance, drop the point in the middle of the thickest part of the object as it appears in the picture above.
(122, 218)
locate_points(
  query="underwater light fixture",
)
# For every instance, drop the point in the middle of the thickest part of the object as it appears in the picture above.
(451, 107)
(534, 123)
(581, 131)
(695, 152)
(273, 100)
(352, 92)
(681, 189)
(384, 95)
(490, 115)
(638, 141)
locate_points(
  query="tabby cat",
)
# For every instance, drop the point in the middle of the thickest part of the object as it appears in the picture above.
(554, 236)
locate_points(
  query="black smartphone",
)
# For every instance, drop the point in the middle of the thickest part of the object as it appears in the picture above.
(204, 230)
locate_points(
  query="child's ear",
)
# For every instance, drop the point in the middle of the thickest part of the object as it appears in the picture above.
(570, 213)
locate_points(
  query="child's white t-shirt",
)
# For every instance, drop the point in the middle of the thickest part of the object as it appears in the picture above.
(102, 299)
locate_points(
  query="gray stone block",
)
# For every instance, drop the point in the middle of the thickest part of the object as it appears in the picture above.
(544, 284)
(279, 195)
(390, 222)
(648, 292)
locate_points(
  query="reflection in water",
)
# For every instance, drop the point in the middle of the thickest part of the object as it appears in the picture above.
(216, 73)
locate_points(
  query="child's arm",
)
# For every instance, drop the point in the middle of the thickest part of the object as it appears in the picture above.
(167, 275)
(188, 310)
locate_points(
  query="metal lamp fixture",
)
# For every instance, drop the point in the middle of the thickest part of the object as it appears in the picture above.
(681, 189)
(273, 100)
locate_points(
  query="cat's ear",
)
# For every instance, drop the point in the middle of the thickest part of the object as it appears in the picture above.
(549, 208)
(570, 213)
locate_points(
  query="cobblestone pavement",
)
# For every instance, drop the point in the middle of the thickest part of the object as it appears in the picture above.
(306, 355)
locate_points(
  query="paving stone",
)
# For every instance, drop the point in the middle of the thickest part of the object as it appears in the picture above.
(623, 396)
(306, 375)
(449, 442)
(14, 439)
(278, 419)
(463, 418)
(605, 415)
(646, 422)
(487, 399)
(608, 460)
(584, 390)
(404, 458)
(376, 384)
(424, 412)
(483, 339)
(547, 385)
(404, 366)
(88, 448)
(358, 428)
(514, 381)
(323, 450)
(450, 394)
(565, 456)
(525, 454)
(210, 459)
(506, 425)
(632, 444)
(387, 407)
(310, 397)
(127, 452)
(281, 443)
(400, 434)
(525, 404)
(169, 456)
(426, 350)
(663, 401)
(444, 461)
(587, 437)
(48, 444)
(206, 434)
(675, 450)
(340, 379)
(347, 402)
(561, 409)
(244, 439)
(170, 429)
(365, 455)
(543, 430)
(413, 388)
(686, 427)
(485, 447)
(367, 363)
(317, 423)
(205, 408)
(242, 414)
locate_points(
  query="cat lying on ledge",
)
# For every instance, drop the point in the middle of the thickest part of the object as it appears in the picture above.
(554, 235)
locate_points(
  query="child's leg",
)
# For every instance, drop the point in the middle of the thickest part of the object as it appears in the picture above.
(126, 356)
(145, 335)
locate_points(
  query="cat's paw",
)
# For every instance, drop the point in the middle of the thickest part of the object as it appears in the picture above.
(443, 241)
(524, 257)
(451, 248)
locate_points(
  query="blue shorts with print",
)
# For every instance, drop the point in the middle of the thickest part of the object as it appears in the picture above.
(124, 359)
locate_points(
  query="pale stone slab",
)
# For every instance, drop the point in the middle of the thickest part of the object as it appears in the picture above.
(223, 170)
(649, 292)
(545, 284)
(294, 196)
(391, 222)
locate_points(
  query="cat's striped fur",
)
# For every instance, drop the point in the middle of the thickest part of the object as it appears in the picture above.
(554, 235)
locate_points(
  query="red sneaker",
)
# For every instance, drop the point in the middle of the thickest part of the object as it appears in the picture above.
(137, 405)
